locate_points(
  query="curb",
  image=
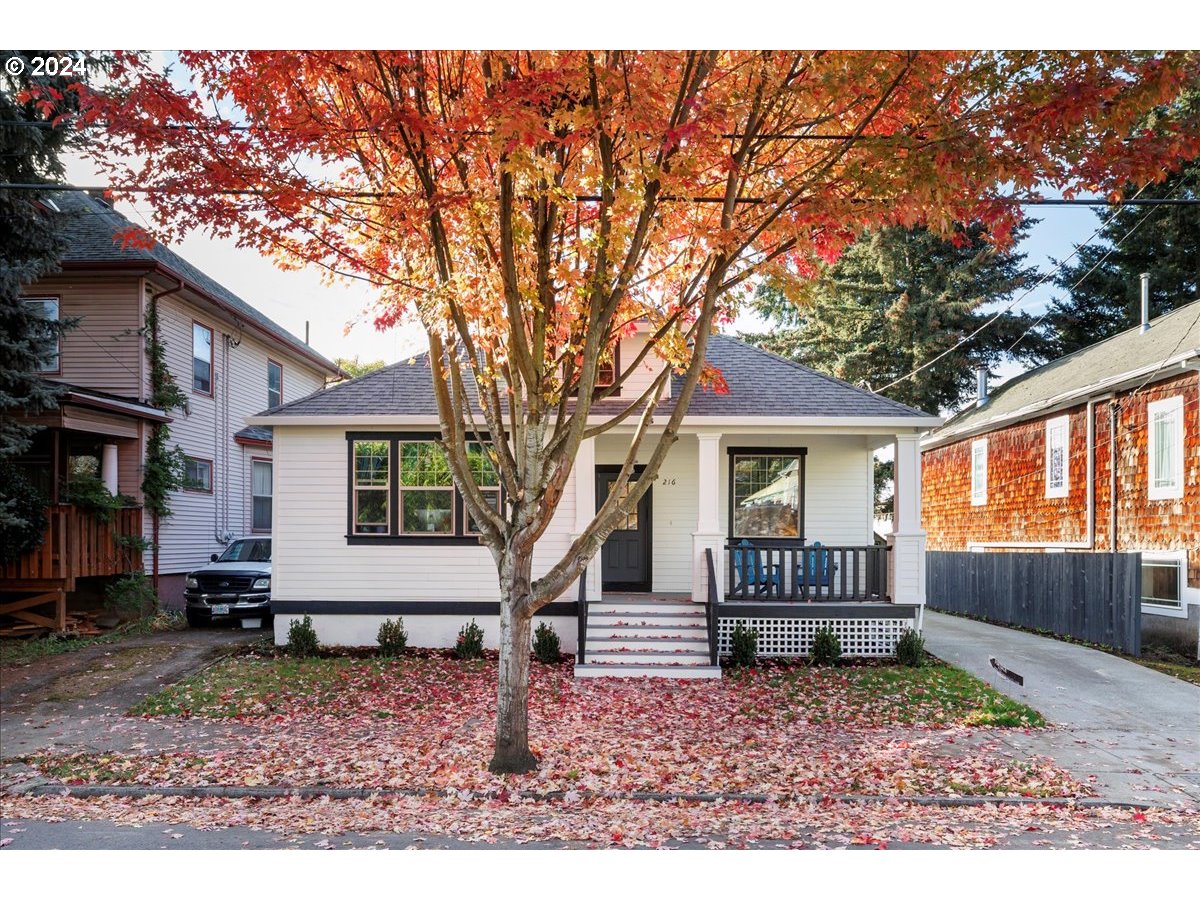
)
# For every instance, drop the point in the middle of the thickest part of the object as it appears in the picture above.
(137, 791)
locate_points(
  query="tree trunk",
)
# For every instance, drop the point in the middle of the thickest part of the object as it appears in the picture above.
(512, 700)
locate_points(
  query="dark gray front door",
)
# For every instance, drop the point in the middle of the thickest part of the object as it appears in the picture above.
(625, 556)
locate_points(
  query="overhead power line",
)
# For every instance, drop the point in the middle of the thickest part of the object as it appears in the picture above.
(580, 198)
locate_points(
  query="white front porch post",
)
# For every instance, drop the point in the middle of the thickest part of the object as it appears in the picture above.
(585, 507)
(108, 467)
(708, 533)
(908, 537)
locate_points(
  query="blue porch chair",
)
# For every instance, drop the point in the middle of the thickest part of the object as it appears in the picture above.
(748, 564)
(818, 567)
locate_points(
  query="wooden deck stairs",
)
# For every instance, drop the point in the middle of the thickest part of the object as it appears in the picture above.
(646, 636)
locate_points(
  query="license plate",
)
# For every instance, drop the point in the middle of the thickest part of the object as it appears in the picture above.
(220, 609)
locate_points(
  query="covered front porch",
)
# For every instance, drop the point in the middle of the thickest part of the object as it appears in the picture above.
(770, 527)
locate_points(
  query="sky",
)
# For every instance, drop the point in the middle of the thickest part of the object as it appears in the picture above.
(339, 314)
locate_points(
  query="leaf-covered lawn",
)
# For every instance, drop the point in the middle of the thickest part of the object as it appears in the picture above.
(426, 724)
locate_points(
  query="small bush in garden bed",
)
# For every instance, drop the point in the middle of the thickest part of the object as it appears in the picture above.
(545, 643)
(743, 645)
(470, 642)
(826, 648)
(910, 649)
(302, 638)
(392, 637)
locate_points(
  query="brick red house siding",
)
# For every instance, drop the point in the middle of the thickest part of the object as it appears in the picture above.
(1017, 508)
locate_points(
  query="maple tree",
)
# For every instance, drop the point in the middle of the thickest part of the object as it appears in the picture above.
(531, 208)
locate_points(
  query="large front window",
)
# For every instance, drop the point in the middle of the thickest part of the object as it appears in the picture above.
(411, 473)
(767, 491)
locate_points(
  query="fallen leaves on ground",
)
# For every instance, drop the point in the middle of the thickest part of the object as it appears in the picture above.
(426, 723)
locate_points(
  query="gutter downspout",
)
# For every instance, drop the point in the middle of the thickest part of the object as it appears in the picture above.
(154, 298)
(1114, 408)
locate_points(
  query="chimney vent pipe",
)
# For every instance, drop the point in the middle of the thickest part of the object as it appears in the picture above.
(1145, 302)
(981, 385)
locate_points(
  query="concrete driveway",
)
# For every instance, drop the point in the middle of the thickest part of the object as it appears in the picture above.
(77, 700)
(1135, 730)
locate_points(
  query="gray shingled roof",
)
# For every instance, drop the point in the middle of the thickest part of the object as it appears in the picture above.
(92, 236)
(1110, 361)
(760, 384)
(255, 433)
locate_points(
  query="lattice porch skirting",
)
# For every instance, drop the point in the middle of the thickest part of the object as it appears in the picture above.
(794, 637)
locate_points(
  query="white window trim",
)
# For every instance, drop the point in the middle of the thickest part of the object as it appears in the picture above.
(1174, 407)
(1062, 423)
(1187, 595)
(979, 497)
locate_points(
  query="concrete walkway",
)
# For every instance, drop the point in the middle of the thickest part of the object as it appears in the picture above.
(1133, 732)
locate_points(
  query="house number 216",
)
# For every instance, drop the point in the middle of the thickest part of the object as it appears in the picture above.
(668, 482)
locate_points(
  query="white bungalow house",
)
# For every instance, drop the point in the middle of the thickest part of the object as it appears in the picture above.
(762, 513)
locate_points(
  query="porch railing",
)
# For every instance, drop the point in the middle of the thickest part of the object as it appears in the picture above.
(581, 618)
(78, 545)
(710, 607)
(783, 570)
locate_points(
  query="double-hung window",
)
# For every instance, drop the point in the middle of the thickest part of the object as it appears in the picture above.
(979, 472)
(202, 357)
(46, 309)
(371, 489)
(1165, 445)
(1058, 460)
(402, 489)
(274, 384)
(197, 475)
(260, 478)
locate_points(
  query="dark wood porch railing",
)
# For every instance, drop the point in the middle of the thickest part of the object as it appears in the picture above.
(782, 570)
(710, 607)
(581, 612)
(77, 545)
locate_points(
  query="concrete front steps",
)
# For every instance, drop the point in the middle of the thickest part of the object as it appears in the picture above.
(646, 637)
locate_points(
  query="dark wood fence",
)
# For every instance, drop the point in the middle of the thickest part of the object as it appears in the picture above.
(1093, 597)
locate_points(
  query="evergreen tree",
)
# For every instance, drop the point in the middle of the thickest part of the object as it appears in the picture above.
(895, 300)
(1162, 240)
(31, 244)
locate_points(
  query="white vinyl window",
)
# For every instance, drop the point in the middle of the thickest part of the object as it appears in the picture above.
(979, 472)
(261, 490)
(1058, 457)
(1164, 422)
(1162, 581)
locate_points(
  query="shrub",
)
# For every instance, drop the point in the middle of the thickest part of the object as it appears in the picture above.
(88, 492)
(470, 642)
(302, 638)
(545, 643)
(131, 596)
(743, 645)
(910, 649)
(826, 648)
(392, 637)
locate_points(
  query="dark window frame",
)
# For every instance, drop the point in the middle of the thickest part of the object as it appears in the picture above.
(253, 496)
(279, 366)
(732, 454)
(57, 298)
(212, 475)
(212, 359)
(459, 537)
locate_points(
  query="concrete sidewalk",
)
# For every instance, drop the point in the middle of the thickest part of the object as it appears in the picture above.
(1135, 730)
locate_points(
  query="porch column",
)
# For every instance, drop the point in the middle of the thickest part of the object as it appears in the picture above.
(907, 582)
(585, 508)
(708, 534)
(108, 468)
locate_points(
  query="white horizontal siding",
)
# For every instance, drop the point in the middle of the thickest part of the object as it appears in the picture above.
(312, 561)
(206, 429)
